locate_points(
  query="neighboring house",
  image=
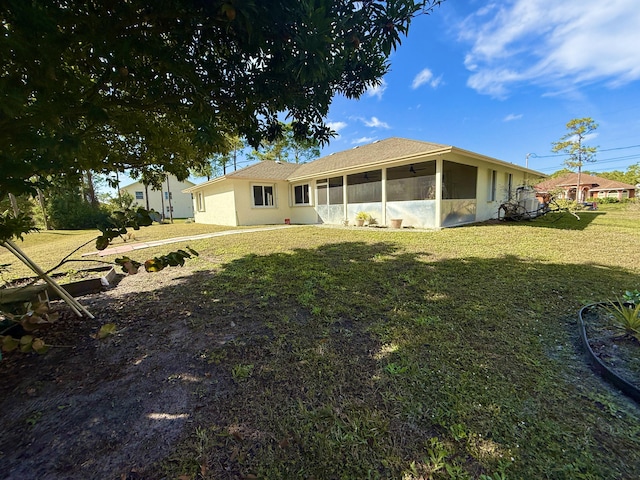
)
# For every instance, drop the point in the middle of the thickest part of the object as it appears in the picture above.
(427, 185)
(171, 196)
(564, 187)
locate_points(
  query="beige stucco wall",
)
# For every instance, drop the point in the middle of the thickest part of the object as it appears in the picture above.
(219, 205)
(248, 214)
(230, 202)
(303, 214)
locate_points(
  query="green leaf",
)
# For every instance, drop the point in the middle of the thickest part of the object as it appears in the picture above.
(106, 330)
(39, 346)
(9, 343)
(153, 265)
(102, 242)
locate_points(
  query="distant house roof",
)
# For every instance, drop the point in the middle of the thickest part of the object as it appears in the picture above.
(370, 155)
(593, 182)
(173, 179)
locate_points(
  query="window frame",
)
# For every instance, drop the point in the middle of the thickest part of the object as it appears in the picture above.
(139, 195)
(262, 187)
(200, 205)
(294, 196)
(493, 185)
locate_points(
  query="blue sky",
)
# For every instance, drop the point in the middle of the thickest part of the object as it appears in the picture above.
(503, 78)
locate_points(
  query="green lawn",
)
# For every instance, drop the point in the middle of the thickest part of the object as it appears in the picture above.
(47, 248)
(372, 353)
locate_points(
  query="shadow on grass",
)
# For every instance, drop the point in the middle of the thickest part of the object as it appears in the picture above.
(355, 360)
(561, 220)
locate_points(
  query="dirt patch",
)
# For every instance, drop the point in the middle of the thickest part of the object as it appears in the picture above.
(105, 409)
(617, 350)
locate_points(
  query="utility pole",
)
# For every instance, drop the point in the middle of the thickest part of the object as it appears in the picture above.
(169, 198)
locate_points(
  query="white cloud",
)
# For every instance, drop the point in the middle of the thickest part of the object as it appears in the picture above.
(375, 123)
(336, 126)
(361, 140)
(378, 90)
(511, 117)
(426, 77)
(552, 44)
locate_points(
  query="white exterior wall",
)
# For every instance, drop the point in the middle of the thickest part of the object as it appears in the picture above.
(181, 202)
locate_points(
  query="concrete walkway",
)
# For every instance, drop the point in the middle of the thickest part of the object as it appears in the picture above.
(129, 247)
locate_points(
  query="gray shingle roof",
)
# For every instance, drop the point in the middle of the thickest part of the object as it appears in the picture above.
(376, 152)
(373, 154)
(266, 170)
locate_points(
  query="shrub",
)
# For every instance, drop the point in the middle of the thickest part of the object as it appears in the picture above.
(68, 211)
(626, 316)
(605, 200)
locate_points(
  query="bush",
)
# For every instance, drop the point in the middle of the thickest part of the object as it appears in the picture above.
(605, 200)
(68, 211)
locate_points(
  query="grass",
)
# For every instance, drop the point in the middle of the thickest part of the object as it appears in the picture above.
(48, 247)
(360, 353)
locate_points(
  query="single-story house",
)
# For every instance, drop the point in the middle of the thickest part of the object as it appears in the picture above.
(427, 185)
(591, 186)
(170, 199)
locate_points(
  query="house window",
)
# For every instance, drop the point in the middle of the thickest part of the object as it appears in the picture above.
(412, 182)
(200, 201)
(509, 185)
(493, 185)
(168, 195)
(301, 194)
(458, 181)
(263, 196)
(139, 195)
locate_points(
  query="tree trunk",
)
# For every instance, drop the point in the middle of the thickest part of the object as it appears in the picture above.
(578, 191)
(44, 210)
(14, 204)
(90, 191)
(146, 195)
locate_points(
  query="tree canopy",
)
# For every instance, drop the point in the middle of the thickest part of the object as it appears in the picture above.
(287, 148)
(104, 86)
(572, 143)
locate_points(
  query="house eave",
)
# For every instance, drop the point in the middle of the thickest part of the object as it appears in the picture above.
(408, 158)
(484, 158)
(203, 185)
(369, 165)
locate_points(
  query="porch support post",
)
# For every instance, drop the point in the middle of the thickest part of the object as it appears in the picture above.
(345, 198)
(383, 220)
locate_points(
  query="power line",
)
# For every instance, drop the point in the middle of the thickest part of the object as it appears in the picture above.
(534, 155)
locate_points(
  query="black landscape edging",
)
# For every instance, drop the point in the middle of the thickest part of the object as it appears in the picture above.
(600, 367)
